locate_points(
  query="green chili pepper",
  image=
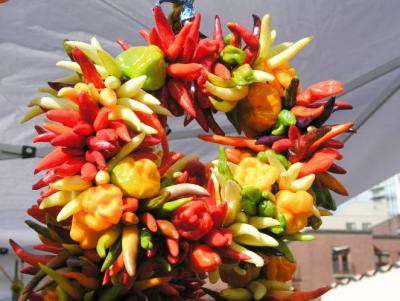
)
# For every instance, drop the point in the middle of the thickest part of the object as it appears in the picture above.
(144, 60)
(164, 263)
(155, 202)
(323, 197)
(243, 75)
(278, 230)
(251, 196)
(278, 129)
(38, 228)
(266, 208)
(314, 221)
(262, 156)
(285, 162)
(232, 55)
(89, 296)
(112, 255)
(282, 247)
(228, 38)
(71, 289)
(234, 119)
(169, 207)
(300, 237)
(223, 167)
(111, 293)
(286, 118)
(146, 239)
(62, 295)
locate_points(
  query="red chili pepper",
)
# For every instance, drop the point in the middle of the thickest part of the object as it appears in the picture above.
(88, 172)
(169, 290)
(335, 131)
(57, 128)
(106, 278)
(319, 91)
(156, 40)
(167, 228)
(305, 296)
(185, 71)
(319, 162)
(150, 141)
(67, 117)
(195, 31)
(124, 45)
(217, 33)
(36, 213)
(337, 169)
(204, 259)
(57, 157)
(130, 204)
(150, 222)
(145, 34)
(215, 239)
(188, 50)
(87, 108)
(29, 270)
(218, 214)
(89, 71)
(342, 105)
(30, 258)
(138, 155)
(222, 71)
(39, 129)
(55, 249)
(206, 47)
(179, 92)
(163, 27)
(100, 145)
(48, 192)
(172, 260)
(293, 133)
(182, 178)
(153, 121)
(69, 140)
(121, 130)
(248, 37)
(107, 135)
(201, 118)
(83, 129)
(69, 168)
(117, 266)
(168, 160)
(304, 112)
(281, 145)
(176, 47)
(212, 124)
(96, 157)
(173, 246)
(101, 120)
(44, 137)
(237, 141)
(228, 253)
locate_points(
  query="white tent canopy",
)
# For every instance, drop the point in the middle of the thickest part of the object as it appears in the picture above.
(356, 42)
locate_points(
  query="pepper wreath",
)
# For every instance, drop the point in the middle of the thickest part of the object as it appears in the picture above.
(125, 218)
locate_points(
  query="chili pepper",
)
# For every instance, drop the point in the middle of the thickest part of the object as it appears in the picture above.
(217, 33)
(205, 48)
(112, 255)
(319, 91)
(173, 246)
(183, 178)
(303, 296)
(333, 143)
(121, 130)
(169, 207)
(56, 128)
(67, 117)
(204, 259)
(69, 140)
(328, 110)
(169, 290)
(237, 141)
(55, 249)
(185, 71)
(281, 145)
(152, 282)
(150, 222)
(83, 129)
(230, 254)
(123, 44)
(218, 239)
(107, 135)
(337, 169)
(334, 131)
(107, 240)
(319, 162)
(169, 160)
(38, 228)
(156, 40)
(96, 157)
(37, 214)
(89, 71)
(176, 47)
(269, 140)
(88, 109)
(101, 120)
(167, 228)
(29, 270)
(111, 293)
(235, 155)
(130, 204)
(85, 281)
(304, 112)
(100, 145)
(223, 167)
(293, 133)
(56, 157)
(47, 193)
(138, 155)
(129, 218)
(145, 34)
(232, 55)
(163, 27)
(221, 71)
(49, 178)
(69, 168)
(179, 92)
(117, 266)
(248, 37)
(332, 183)
(130, 245)
(44, 137)
(188, 49)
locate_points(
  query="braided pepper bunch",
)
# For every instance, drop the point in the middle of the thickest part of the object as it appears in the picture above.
(122, 217)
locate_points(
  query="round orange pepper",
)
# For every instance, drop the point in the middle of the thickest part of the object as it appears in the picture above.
(280, 269)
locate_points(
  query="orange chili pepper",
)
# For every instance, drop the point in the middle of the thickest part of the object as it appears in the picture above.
(304, 112)
(117, 266)
(129, 218)
(167, 228)
(235, 155)
(237, 141)
(330, 182)
(335, 131)
(150, 222)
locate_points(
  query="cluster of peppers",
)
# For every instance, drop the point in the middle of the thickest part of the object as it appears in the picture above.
(125, 218)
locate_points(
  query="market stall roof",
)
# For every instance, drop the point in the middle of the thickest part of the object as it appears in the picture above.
(356, 42)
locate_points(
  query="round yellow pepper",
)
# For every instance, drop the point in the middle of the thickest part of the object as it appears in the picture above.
(253, 172)
(139, 179)
(280, 269)
(101, 208)
(259, 111)
(296, 207)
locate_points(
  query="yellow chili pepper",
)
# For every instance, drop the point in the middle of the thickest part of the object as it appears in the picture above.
(253, 172)
(130, 246)
(139, 179)
(101, 207)
(280, 269)
(296, 207)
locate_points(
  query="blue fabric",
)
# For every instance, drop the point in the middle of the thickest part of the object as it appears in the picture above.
(188, 10)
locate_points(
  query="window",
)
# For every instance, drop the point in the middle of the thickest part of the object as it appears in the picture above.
(381, 258)
(366, 226)
(350, 226)
(340, 260)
